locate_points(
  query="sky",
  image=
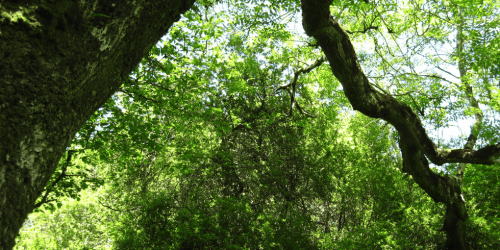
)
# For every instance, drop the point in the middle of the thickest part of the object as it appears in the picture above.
(459, 128)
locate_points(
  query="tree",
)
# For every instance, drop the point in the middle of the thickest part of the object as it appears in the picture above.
(416, 146)
(99, 75)
(60, 62)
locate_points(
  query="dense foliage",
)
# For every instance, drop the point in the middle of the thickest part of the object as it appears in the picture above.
(234, 134)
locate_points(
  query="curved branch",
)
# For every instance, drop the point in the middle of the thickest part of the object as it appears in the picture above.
(340, 52)
(304, 70)
(293, 83)
(415, 144)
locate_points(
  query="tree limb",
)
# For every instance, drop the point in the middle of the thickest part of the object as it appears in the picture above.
(363, 97)
(293, 83)
(304, 70)
(117, 210)
(59, 178)
(415, 144)
(364, 30)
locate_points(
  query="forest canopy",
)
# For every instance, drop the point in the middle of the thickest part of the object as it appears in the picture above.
(254, 125)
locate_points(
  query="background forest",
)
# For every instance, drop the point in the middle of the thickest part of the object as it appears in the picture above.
(234, 134)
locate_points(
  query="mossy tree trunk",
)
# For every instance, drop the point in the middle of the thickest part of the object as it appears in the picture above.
(416, 146)
(59, 62)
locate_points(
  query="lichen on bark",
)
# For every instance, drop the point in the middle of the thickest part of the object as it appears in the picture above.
(54, 74)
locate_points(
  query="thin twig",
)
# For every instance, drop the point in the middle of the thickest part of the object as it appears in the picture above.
(59, 178)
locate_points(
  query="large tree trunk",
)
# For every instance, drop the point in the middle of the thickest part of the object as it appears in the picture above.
(415, 145)
(59, 62)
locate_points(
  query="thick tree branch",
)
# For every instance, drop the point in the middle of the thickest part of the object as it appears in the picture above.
(48, 91)
(415, 144)
(363, 97)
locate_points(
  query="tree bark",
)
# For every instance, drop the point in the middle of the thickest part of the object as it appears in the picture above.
(415, 145)
(59, 62)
